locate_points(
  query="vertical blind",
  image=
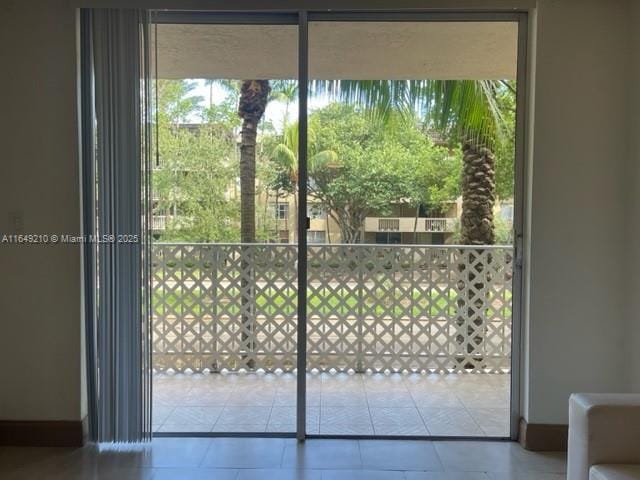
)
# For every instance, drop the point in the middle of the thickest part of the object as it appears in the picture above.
(115, 120)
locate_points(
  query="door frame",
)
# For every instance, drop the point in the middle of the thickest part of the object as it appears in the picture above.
(396, 13)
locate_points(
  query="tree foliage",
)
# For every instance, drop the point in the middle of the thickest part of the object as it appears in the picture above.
(375, 166)
(196, 162)
(194, 183)
(505, 150)
(358, 166)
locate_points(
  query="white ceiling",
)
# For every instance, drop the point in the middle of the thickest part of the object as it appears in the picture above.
(339, 50)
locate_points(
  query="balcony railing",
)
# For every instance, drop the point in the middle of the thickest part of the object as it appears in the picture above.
(435, 225)
(159, 222)
(388, 224)
(402, 308)
(409, 224)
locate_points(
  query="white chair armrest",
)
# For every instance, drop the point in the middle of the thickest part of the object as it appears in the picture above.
(603, 428)
(614, 472)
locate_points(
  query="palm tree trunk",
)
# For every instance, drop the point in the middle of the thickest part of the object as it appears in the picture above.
(478, 198)
(478, 195)
(248, 183)
(254, 95)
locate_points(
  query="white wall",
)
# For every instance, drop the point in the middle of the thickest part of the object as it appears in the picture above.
(633, 244)
(577, 327)
(580, 277)
(39, 285)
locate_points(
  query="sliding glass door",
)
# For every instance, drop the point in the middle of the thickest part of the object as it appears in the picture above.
(337, 205)
(225, 224)
(411, 129)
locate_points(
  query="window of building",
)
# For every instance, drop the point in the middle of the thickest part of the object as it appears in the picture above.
(388, 237)
(280, 211)
(437, 238)
(316, 211)
(316, 236)
(506, 211)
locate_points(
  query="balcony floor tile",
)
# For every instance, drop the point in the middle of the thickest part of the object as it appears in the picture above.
(337, 404)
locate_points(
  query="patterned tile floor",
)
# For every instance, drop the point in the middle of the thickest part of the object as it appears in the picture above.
(284, 459)
(337, 404)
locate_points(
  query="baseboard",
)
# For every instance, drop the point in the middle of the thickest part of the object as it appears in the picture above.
(540, 437)
(42, 433)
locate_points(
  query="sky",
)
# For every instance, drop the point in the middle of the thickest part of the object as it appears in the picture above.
(275, 112)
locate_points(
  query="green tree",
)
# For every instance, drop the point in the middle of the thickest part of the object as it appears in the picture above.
(506, 149)
(431, 173)
(358, 168)
(284, 157)
(196, 163)
(466, 112)
(253, 99)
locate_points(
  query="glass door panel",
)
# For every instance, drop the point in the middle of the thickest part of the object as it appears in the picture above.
(411, 134)
(225, 225)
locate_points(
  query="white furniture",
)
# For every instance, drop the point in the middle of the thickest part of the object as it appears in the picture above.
(604, 437)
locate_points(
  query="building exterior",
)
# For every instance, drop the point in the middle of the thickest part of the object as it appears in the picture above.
(403, 226)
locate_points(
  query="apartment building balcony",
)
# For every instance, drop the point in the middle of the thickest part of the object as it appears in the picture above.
(409, 224)
(401, 340)
(159, 223)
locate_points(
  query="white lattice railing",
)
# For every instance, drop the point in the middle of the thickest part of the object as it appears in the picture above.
(370, 307)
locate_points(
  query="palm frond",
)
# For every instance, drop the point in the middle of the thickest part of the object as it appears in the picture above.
(290, 137)
(284, 90)
(378, 97)
(285, 154)
(466, 110)
(229, 86)
(285, 157)
(323, 160)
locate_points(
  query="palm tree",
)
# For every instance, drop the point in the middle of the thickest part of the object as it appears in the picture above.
(285, 156)
(254, 95)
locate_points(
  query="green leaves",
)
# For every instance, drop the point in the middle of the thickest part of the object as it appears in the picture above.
(285, 158)
(197, 161)
(365, 167)
(460, 109)
(374, 148)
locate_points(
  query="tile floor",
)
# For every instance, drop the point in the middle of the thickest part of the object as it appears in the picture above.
(285, 459)
(337, 404)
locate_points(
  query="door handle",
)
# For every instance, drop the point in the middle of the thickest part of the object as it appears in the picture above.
(518, 251)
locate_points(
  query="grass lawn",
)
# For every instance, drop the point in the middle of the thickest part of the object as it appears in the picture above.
(342, 301)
